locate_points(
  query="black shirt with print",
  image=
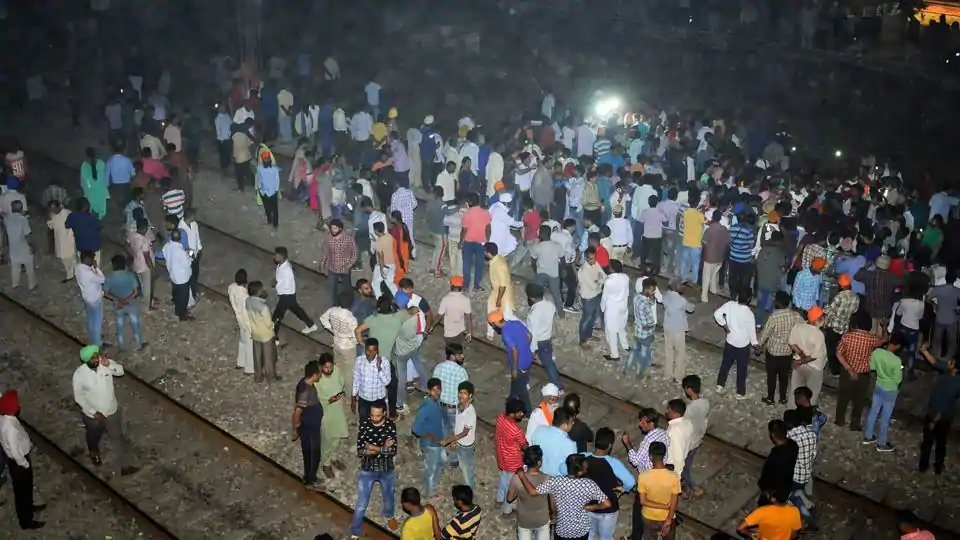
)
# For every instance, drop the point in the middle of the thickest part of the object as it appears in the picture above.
(377, 436)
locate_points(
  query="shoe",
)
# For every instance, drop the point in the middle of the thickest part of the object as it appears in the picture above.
(782, 402)
(402, 409)
(741, 396)
(478, 289)
(142, 346)
(871, 440)
(337, 464)
(885, 448)
(309, 330)
(33, 525)
(96, 461)
(328, 472)
(855, 428)
(719, 389)
(609, 358)
(571, 309)
(316, 485)
(768, 401)
(188, 318)
(127, 471)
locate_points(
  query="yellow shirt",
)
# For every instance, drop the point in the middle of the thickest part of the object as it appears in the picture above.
(775, 521)
(500, 277)
(379, 131)
(693, 221)
(659, 485)
(261, 322)
(418, 527)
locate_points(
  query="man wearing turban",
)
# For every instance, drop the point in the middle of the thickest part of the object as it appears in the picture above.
(16, 449)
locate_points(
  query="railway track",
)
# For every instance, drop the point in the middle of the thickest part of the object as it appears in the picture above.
(831, 495)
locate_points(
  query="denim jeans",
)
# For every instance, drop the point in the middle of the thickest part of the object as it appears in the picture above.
(540, 533)
(518, 389)
(686, 478)
(796, 497)
(365, 482)
(433, 459)
(545, 353)
(422, 377)
(449, 422)
(472, 253)
(910, 338)
(689, 264)
(588, 316)
(602, 526)
(669, 250)
(882, 407)
(552, 284)
(640, 357)
(94, 313)
(468, 465)
(637, 238)
(764, 305)
(132, 312)
(502, 487)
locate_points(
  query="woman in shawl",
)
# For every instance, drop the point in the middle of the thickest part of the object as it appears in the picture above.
(93, 180)
(299, 175)
(402, 240)
(321, 191)
(331, 390)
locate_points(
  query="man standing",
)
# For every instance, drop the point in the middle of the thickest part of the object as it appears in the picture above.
(511, 442)
(739, 325)
(543, 414)
(681, 435)
(547, 256)
(262, 333)
(645, 322)
(690, 250)
(516, 341)
(837, 319)
(237, 292)
(777, 472)
(941, 410)
(371, 375)
(810, 349)
(658, 493)
(122, 287)
(675, 310)
(91, 279)
(180, 269)
(428, 428)
(93, 391)
(611, 475)
(377, 448)
(120, 172)
(854, 356)
(774, 340)
(64, 243)
(16, 447)
(242, 143)
(286, 287)
(698, 414)
(19, 245)
(540, 324)
(806, 441)
(806, 286)
(85, 227)
(385, 270)
(456, 312)
(640, 457)
(556, 443)
(404, 201)
(268, 186)
(307, 422)
(475, 230)
(716, 239)
(621, 234)
(451, 374)
(886, 362)
(501, 294)
(613, 302)
(338, 252)
(590, 279)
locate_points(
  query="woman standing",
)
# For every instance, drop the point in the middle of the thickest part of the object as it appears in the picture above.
(93, 180)
(401, 237)
(331, 391)
(573, 496)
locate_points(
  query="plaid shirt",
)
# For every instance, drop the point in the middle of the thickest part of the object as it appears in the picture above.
(776, 332)
(338, 253)
(640, 457)
(644, 315)
(811, 252)
(806, 289)
(856, 347)
(55, 193)
(880, 285)
(404, 201)
(451, 374)
(843, 306)
(806, 439)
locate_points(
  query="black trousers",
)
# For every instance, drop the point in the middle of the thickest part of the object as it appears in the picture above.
(22, 480)
(271, 209)
(734, 355)
(310, 448)
(637, 519)
(181, 297)
(937, 434)
(650, 249)
(856, 392)
(833, 341)
(224, 151)
(392, 390)
(244, 175)
(195, 275)
(569, 275)
(778, 371)
(741, 278)
(288, 302)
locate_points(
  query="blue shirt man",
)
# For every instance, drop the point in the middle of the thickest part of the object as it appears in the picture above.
(120, 169)
(428, 424)
(516, 340)
(86, 230)
(556, 446)
(269, 178)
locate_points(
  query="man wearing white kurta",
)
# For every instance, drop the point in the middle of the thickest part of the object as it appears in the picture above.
(501, 224)
(613, 303)
(238, 301)
(93, 391)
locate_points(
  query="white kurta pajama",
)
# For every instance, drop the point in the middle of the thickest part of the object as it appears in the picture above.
(614, 302)
(500, 229)
(238, 300)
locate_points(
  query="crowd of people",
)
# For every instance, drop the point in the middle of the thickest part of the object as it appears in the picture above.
(851, 274)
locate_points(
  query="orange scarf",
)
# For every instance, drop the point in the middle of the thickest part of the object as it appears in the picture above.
(547, 413)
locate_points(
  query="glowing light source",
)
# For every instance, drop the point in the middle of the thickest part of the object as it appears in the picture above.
(607, 106)
(838, 154)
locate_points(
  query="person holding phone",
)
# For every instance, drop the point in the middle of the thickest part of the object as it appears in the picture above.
(330, 390)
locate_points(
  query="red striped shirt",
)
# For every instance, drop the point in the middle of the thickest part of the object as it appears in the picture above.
(510, 443)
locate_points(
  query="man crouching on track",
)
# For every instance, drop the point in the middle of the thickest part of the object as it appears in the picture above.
(93, 391)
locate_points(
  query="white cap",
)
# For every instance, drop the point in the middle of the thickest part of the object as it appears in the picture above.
(428, 120)
(506, 198)
(550, 390)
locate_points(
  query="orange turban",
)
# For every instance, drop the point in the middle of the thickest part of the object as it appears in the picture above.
(844, 280)
(818, 264)
(814, 313)
(495, 317)
(773, 217)
(499, 186)
(456, 281)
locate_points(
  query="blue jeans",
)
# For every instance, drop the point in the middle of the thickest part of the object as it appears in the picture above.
(637, 238)
(686, 479)
(764, 305)
(882, 407)
(422, 377)
(689, 264)
(576, 214)
(449, 422)
(472, 253)
(365, 482)
(433, 460)
(588, 316)
(796, 497)
(545, 353)
(132, 312)
(910, 338)
(640, 357)
(468, 465)
(502, 487)
(94, 314)
(602, 526)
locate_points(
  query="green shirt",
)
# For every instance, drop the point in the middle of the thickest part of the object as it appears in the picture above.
(888, 368)
(386, 328)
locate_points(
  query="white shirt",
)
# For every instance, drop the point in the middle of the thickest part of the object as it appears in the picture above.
(332, 69)
(372, 90)
(286, 284)
(565, 240)
(540, 322)
(641, 196)
(90, 281)
(360, 125)
(494, 172)
(585, 139)
(616, 294)
(621, 232)
(546, 108)
(466, 418)
(339, 121)
(284, 99)
(741, 322)
(93, 389)
(242, 114)
(446, 181)
(567, 137)
(178, 263)
(14, 440)
(500, 225)
(680, 431)
(193, 235)
(536, 421)
(472, 151)
(238, 301)
(524, 180)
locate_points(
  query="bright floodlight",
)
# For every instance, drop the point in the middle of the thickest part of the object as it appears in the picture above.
(606, 107)
(838, 154)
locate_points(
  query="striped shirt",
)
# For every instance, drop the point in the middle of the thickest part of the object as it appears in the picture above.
(742, 240)
(173, 202)
(341, 323)
(463, 525)
(640, 457)
(601, 146)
